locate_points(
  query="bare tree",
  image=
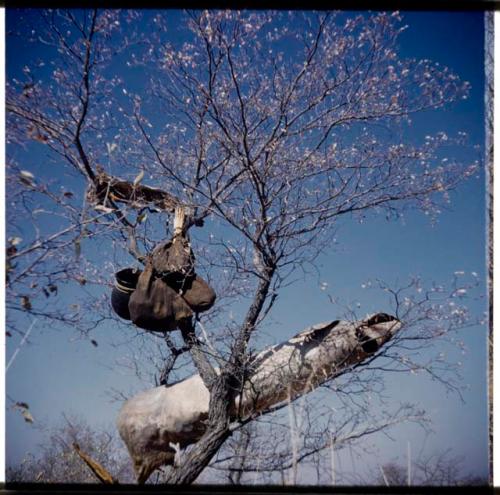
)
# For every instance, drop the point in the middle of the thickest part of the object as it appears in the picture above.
(437, 469)
(58, 461)
(268, 128)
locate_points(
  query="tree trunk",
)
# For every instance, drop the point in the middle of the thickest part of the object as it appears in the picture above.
(179, 414)
(217, 432)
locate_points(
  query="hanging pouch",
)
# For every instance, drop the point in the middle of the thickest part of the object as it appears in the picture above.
(198, 294)
(154, 305)
(174, 258)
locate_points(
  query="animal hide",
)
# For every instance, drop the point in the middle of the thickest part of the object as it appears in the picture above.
(155, 420)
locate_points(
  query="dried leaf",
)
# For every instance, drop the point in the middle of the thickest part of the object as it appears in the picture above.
(139, 178)
(14, 241)
(11, 250)
(103, 208)
(26, 182)
(9, 267)
(24, 408)
(27, 416)
(82, 280)
(26, 303)
(142, 217)
(68, 194)
(27, 175)
(41, 138)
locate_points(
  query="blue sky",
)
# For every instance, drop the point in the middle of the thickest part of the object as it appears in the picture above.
(55, 373)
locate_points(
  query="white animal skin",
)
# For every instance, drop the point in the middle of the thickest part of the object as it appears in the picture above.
(150, 421)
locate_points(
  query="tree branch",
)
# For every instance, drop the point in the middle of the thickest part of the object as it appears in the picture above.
(100, 473)
(205, 369)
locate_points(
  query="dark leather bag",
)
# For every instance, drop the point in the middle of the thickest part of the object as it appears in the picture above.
(174, 257)
(154, 305)
(198, 294)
